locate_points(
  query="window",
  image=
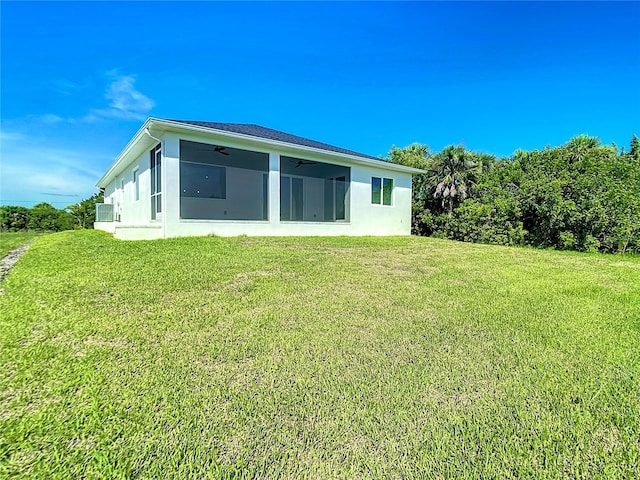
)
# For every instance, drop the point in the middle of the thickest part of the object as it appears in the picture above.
(376, 190)
(335, 192)
(285, 198)
(340, 196)
(265, 196)
(291, 198)
(296, 198)
(199, 180)
(387, 190)
(381, 191)
(156, 181)
(136, 186)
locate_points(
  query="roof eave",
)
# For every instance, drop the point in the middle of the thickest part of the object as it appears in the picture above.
(106, 178)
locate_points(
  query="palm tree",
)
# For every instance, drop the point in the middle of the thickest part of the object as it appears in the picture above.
(580, 146)
(485, 160)
(452, 173)
(634, 151)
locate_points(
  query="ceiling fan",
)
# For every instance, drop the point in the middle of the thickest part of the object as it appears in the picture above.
(302, 162)
(217, 149)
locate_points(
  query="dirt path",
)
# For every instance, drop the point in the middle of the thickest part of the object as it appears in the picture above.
(10, 259)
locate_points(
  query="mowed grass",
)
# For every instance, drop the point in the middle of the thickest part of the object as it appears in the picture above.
(317, 358)
(11, 240)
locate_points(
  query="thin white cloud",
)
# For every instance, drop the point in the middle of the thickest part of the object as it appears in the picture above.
(66, 87)
(28, 169)
(125, 98)
(7, 136)
(125, 101)
(50, 118)
(30, 164)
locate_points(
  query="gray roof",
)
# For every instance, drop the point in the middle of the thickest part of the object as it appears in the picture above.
(271, 134)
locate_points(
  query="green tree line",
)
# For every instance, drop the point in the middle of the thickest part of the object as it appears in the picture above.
(581, 196)
(46, 218)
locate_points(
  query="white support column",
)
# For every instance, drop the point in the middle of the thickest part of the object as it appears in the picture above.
(274, 188)
(170, 185)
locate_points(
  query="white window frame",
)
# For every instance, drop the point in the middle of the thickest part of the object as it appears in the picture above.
(155, 170)
(382, 180)
(136, 184)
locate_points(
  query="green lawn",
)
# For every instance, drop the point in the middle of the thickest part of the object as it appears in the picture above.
(11, 240)
(317, 358)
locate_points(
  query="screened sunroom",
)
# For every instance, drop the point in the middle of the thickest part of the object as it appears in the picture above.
(313, 191)
(223, 183)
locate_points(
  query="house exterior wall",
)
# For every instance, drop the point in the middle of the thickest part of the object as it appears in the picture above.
(132, 217)
(364, 218)
(370, 219)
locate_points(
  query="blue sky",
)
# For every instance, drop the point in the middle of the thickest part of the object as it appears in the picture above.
(79, 78)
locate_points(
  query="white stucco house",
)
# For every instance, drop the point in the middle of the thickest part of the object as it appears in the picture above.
(184, 178)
